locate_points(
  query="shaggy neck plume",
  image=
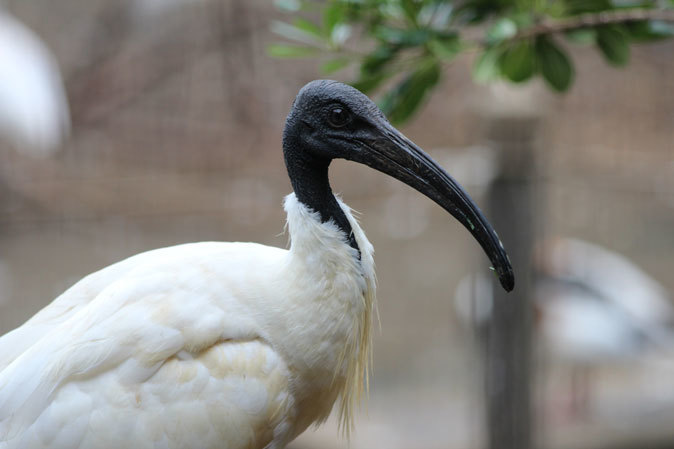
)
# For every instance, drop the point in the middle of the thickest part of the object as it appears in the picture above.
(356, 277)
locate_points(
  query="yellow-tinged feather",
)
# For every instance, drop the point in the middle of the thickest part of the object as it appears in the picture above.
(358, 354)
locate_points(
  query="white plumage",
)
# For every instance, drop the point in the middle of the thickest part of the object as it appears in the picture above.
(195, 336)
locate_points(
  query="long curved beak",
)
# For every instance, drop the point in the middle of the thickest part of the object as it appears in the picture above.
(385, 149)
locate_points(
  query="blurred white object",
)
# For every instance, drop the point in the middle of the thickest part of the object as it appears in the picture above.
(613, 279)
(474, 167)
(34, 112)
(594, 303)
(594, 307)
(580, 326)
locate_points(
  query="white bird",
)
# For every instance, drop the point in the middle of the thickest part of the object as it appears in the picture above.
(610, 282)
(34, 112)
(227, 345)
(599, 309)
(594, 304)
(594, 308)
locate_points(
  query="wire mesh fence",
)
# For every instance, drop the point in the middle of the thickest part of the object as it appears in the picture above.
(176, 117)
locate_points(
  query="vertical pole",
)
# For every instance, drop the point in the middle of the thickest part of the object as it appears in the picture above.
(508, 365)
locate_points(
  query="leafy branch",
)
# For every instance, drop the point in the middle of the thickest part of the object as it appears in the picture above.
(592, 20)
(410, 42)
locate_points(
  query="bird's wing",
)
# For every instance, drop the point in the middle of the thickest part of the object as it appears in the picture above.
(14, 343)
(166, 353)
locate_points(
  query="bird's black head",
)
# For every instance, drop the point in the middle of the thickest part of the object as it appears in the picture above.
(327, 118)
(330, 120)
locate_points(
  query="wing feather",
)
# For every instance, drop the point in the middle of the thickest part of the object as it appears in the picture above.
(167, 331)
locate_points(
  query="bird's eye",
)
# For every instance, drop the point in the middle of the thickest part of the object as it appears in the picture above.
(338, 117)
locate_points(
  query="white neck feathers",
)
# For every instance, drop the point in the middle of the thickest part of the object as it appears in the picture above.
(322, 249)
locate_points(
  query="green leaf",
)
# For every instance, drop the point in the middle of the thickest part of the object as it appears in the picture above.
(400, 103)
(292, 32)
(445, 49)
(582, 36)
(474, 12)
(334, 65)
(290, 51)
(411, 9)
(332, 15)
(375, 61)
(555, 65)
(556, 10)
(518, 61)
(524, 18)
(614, 45)
(435, 14)
(407, 37)
(486, 66)
(369, 83)
(308, 27)
(503, 29)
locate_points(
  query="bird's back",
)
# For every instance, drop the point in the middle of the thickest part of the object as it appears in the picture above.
(139, 352)
(87, 289)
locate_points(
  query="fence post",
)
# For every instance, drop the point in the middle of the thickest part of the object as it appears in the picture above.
(509, 377)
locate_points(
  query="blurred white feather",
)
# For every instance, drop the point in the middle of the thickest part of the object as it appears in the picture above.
(611, 276)
(595, 304)
(34, 113)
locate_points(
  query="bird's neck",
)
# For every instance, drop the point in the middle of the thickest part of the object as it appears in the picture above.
(339, 288)
(309, 178)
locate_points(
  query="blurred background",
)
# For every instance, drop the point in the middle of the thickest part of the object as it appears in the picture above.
(159, 122)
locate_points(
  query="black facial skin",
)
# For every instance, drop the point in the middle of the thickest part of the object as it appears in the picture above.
(330, 120)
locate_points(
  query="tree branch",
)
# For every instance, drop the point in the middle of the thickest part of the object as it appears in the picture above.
(595, 19)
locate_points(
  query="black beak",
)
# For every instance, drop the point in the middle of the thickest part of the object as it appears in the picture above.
(388, 151)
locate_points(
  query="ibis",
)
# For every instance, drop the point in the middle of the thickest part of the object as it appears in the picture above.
(228, 345)
(598, 309)
(594, 308)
